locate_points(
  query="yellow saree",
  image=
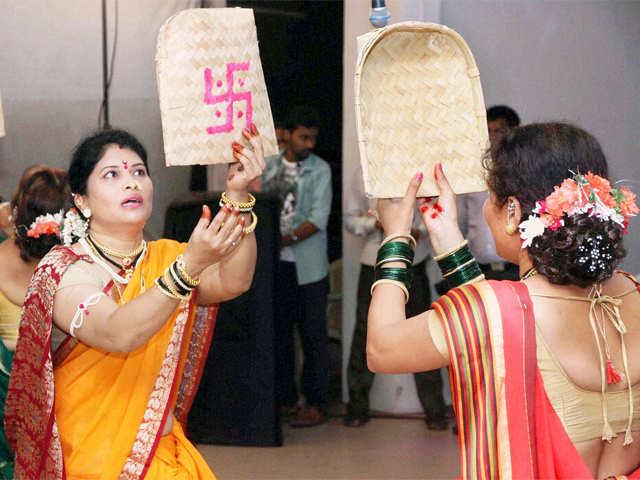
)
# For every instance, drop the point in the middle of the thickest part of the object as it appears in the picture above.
(109, 408)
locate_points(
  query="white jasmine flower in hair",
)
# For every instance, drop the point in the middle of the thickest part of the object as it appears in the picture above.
(530, 229)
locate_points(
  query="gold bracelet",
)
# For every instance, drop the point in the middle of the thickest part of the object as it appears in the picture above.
(193, 282)
(392, 282)
(168, 281)
(165, 289)
(175, 276)
(393, 236)
(452, 251)
(241, 205)
(253, 225)
(459, 267)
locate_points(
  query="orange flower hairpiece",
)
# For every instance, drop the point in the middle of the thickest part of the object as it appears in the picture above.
(590, 194)
(47, 224)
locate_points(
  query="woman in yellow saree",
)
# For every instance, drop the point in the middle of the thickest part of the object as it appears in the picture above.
(136, 320)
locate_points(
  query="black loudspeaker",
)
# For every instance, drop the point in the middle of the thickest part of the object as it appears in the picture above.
(236, 402)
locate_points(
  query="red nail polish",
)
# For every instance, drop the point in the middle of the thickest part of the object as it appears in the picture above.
(440, 167)
(419, 176)
(242, 221)
(237, 155)
(236, 211)
(246, 132)
(254, 129)
(435, 171)
(236, 146)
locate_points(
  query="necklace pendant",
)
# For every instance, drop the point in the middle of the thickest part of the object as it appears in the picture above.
(128, 275)
(127, 261)
(613, 376)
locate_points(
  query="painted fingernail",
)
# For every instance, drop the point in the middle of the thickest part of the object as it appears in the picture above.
(236, 146)
(435, 171)
(236, 211)
(237, 155)
(246, 132)
(419, 176)
(254, 129)
(424, 208)
(242, 221)
(228, 208)
(440, 168)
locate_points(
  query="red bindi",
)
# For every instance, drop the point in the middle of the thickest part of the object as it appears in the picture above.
(124, 163)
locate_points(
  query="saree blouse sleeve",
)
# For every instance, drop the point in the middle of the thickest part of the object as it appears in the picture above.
(82, 273)
(434, 323)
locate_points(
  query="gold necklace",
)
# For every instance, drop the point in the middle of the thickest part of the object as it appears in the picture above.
(127, 258)
(530, 273)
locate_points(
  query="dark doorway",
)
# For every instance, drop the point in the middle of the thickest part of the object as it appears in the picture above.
(301, 53)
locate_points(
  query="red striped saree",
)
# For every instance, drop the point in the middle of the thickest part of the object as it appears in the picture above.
(507, 426)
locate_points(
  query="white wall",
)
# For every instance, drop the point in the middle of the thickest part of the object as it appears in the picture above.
(550, 60)
(51, 80)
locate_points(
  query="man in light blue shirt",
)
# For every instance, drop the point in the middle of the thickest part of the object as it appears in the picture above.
(302, 180)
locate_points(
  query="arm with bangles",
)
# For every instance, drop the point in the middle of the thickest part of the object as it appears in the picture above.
(396, 344)
(233, 274)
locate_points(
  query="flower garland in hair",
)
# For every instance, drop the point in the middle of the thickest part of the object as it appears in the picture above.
(47, 224)
(74, 227)
(590, 194)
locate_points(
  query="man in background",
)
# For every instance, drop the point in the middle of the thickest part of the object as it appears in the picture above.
(302, 180)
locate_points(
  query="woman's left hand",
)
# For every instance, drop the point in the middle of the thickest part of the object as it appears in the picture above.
(396, 215)
(249, 166)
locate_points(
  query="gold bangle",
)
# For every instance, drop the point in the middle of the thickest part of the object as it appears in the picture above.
(193, 282)
(392, 282)
(393, 236)
(452, 251)
(394, 259)
(166, 277)
(459, 267)
(253, 225)
(241, 205)
(165, 289)
(175, 276)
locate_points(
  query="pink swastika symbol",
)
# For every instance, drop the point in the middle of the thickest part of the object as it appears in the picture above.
(229, 96)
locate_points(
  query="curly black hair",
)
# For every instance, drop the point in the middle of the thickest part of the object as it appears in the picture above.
(527, 164)
(41, 190)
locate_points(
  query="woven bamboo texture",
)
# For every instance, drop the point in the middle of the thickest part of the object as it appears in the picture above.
(418, 102)
(2, 132)
(210, 85)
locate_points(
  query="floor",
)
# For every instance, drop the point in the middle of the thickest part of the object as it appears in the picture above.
(385, 448)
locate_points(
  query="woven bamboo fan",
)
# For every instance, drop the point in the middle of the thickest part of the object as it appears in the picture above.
(418, 102)
(211, 85)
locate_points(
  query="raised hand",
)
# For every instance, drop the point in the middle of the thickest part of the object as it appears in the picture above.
(249, 166)
(212, 240)
(440, 215)
(395, 214)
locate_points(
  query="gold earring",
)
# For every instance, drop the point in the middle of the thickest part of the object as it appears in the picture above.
(510, 229)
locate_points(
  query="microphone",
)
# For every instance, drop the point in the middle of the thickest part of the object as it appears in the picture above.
(379, 14)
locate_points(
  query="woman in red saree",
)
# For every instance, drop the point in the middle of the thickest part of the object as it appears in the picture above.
(135, 319)
(545, 372)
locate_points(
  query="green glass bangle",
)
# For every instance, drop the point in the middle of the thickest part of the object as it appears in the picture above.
(463, 275)
(394, 273)
(395, 249)
(453, 261)
(404, 260)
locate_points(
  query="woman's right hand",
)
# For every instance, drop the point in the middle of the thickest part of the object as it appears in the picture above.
(441, 216)
(212, 240)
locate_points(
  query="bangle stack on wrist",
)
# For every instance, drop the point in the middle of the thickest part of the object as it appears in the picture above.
(176, 282)
(389, 252)
(459, 267)
(243, 207)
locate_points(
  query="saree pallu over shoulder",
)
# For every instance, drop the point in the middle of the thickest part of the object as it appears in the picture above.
(114, 432)
(29, 416)
(507, 425)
